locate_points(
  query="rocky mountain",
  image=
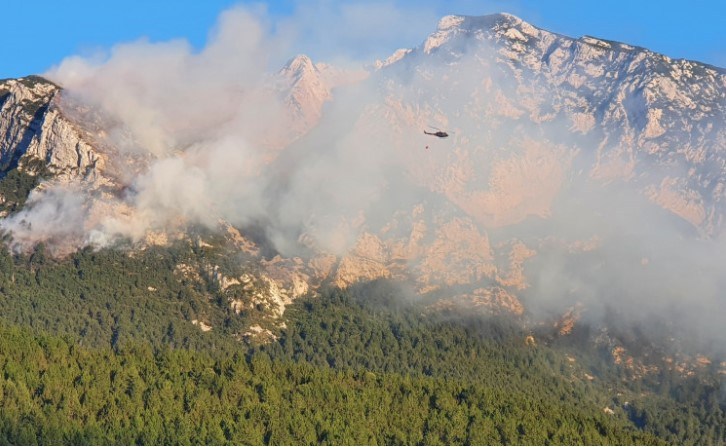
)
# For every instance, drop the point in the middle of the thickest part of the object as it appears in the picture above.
(632, 114)
(534, 118)
(536, 121)
(35, 129)
(305, 87)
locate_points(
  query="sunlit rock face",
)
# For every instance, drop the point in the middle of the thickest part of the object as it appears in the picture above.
(535, 122)
(529, 108)
(534, 118)
(34, 128)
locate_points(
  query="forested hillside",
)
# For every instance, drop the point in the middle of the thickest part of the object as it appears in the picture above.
(90, 354)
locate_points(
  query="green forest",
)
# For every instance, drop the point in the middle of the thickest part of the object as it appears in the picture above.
(99, 348)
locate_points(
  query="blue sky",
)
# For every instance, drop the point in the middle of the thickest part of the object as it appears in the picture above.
(37, 35)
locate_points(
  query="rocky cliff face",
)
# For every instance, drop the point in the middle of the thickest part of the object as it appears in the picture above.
(624, 114)
(304, 87)
(34, 128)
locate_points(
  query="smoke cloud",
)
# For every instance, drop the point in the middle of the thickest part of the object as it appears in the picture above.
(212, 134)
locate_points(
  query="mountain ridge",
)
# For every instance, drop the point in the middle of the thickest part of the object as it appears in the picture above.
(505, 90)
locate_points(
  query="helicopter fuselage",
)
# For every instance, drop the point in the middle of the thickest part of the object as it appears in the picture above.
(439, 134)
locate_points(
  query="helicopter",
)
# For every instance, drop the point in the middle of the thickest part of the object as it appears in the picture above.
(438, 133)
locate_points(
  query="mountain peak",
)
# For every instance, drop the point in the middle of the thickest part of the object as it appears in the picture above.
(505, 24)
(451, 21)
(298, 65)
(470, 23)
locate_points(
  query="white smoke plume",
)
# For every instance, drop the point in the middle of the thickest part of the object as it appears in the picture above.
(198, 121)
(208, 123)
(50, 215)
